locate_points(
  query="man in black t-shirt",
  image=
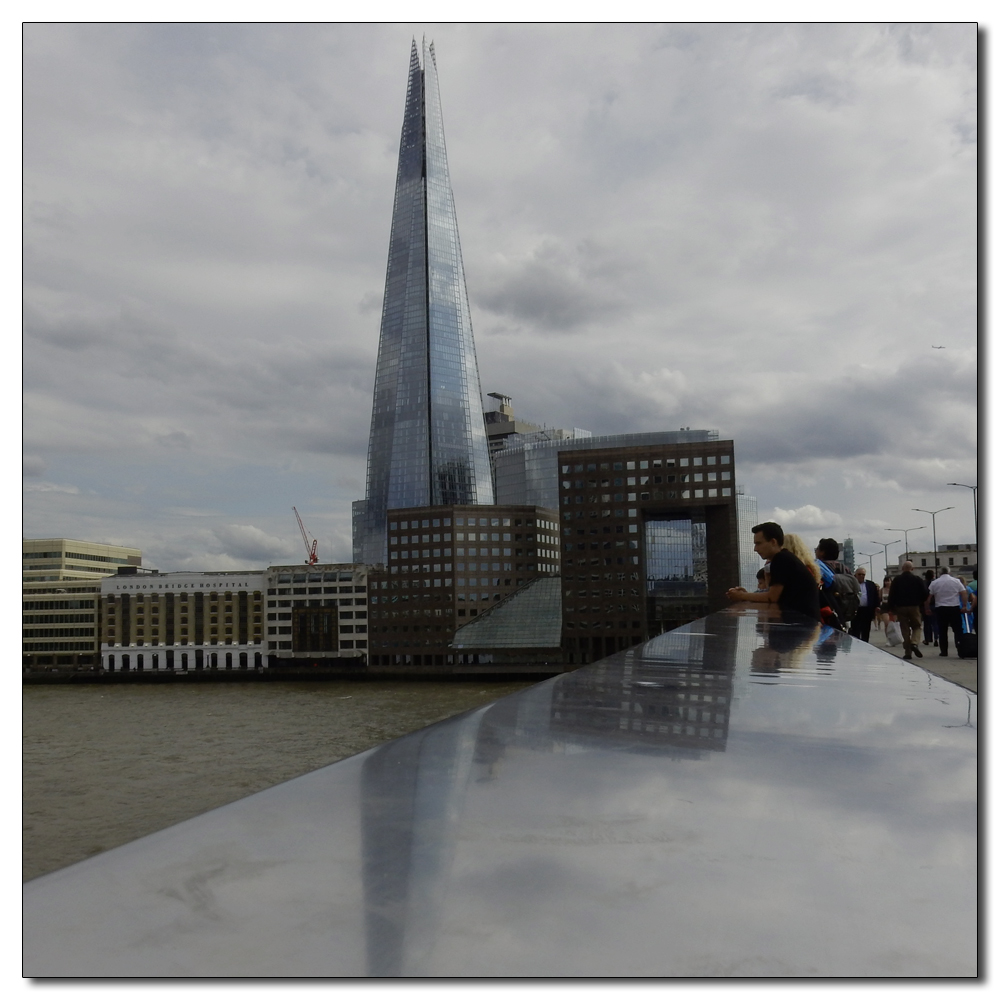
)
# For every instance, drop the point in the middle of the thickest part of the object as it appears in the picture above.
(793, 587)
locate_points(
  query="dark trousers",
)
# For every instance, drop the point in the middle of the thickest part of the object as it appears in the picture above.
(861, 626)
(948, 618)
(930, 627)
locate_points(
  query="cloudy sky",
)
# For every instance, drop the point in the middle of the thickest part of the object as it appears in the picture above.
(759, 229)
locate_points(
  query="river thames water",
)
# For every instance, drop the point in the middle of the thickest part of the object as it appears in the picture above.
(104, 764)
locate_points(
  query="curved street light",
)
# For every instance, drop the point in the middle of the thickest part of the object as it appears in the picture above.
(885, 547)
(975, 509)
(933, 514)
(906, 536)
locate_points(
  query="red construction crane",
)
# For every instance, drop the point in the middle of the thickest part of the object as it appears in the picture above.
(310, 549)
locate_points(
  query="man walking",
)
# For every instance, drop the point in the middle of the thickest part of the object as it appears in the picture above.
(869, 598)
(949, 603)
(906, 593)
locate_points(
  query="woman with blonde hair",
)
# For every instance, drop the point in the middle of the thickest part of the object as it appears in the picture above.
(803, 553)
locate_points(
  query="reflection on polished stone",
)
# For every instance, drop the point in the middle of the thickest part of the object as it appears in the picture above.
(751, 795)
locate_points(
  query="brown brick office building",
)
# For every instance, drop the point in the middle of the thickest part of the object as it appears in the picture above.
(446, 565)
(649, 537)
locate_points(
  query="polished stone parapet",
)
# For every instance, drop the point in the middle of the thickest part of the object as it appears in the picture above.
(746, 796)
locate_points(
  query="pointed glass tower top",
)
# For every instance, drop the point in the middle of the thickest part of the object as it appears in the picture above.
(428, 437)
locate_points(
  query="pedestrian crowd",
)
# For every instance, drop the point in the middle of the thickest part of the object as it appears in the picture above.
(818, 585)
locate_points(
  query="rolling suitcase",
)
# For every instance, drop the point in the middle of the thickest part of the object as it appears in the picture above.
(967, 645)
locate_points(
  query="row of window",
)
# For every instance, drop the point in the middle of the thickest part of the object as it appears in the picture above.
(344, 629)
(184, 641)
(42, 633)
(213, 596)
(683, 477)
(646, 463)
(482, 522)
(344, 644)
(462, 536)
(542, 553)
(58, 647)
(315, 577)
(594, 498)
(116, 560)
(57, 619)
(55, 605)
(68, 567)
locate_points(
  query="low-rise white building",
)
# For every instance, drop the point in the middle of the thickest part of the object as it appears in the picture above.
(960, 559)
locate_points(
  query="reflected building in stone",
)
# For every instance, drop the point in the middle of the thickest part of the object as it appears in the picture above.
(428, 444)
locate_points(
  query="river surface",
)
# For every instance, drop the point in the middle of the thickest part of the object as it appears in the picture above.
(104, 764)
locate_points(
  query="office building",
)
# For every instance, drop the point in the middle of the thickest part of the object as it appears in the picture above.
(61, 599)
(445, 566)
(649, 538)
(746, 519)
(317, 616)
(428, 444)
(527, 467)
(501, 424)
(960, 559)
(182, 621)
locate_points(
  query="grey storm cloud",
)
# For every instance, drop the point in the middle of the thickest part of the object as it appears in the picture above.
(756, 228)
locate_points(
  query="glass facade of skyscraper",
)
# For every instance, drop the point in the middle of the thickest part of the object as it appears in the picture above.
(428, 437)
(746, 518)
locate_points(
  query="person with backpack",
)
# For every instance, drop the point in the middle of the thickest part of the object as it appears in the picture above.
(839, 590)
(831, 613)
(906, 594)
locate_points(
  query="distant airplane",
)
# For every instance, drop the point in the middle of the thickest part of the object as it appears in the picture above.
(936, 348)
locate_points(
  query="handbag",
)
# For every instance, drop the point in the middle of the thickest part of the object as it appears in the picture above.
(893, 634)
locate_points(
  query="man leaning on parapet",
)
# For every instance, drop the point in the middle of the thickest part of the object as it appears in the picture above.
(792, 585)
(906, 594)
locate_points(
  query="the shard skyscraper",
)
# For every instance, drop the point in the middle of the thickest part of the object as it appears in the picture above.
(428, 437)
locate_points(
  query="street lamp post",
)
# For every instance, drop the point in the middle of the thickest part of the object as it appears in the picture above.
(906, 536)
(975, 509)
(933, 514)
(885, 548)
(869, 556)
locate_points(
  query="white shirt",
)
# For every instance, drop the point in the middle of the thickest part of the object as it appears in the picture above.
(863, 596)
(947, 592)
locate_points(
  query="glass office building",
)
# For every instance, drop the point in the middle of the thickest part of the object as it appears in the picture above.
(428, 437)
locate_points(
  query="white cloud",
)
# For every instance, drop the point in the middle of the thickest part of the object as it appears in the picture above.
(806, 517)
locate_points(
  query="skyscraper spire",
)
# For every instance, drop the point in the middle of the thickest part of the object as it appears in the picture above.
(428, 438)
